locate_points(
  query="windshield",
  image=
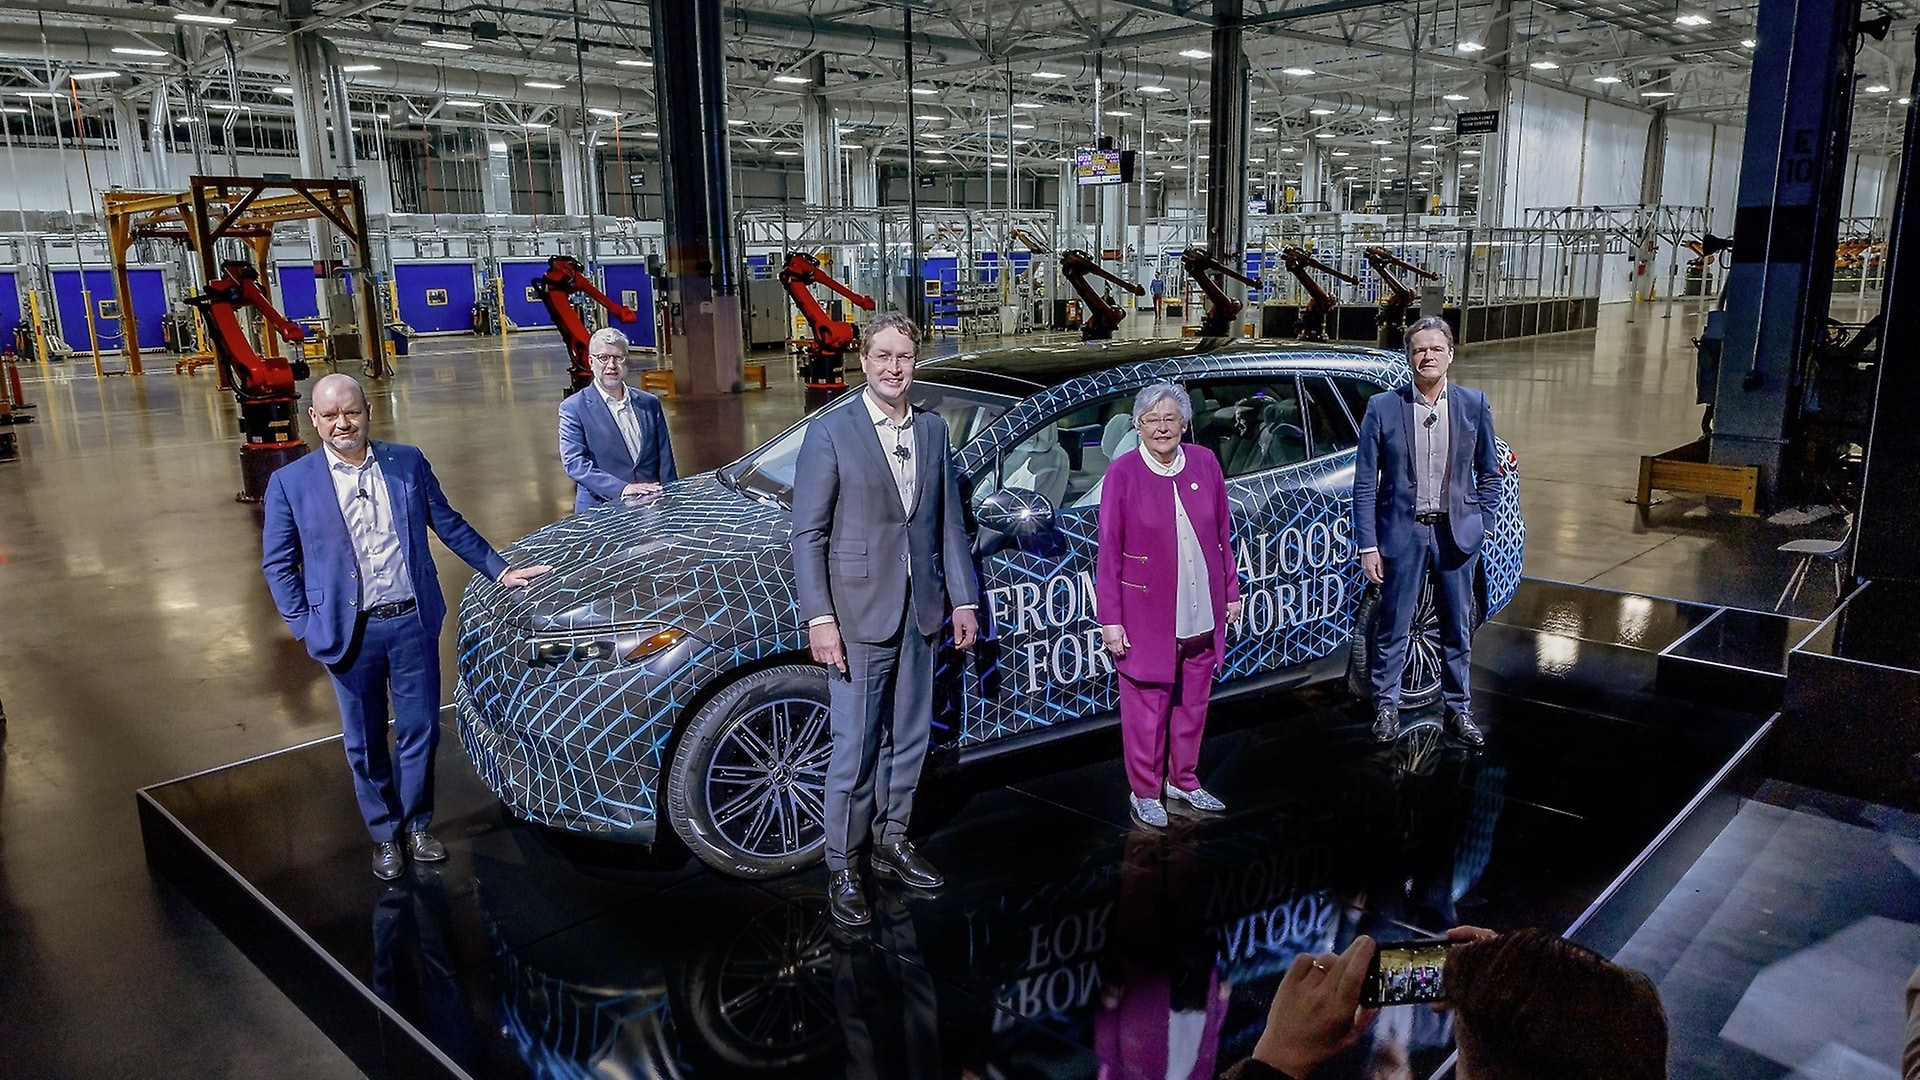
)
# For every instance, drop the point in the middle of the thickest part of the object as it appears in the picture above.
(767, 473)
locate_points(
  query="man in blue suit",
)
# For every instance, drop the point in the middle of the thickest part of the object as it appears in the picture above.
(1426, 469)
(346, 557)
(613, 442)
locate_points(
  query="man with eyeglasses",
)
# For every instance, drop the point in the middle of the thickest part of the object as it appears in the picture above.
(1426, 470)
(613, 440)
(879, 553)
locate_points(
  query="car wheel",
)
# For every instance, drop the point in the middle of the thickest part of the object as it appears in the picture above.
(1420, 685)
(763, 1001)
(747, 789)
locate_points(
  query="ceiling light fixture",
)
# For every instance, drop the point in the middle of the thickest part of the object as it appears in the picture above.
(1324, 135)
(1023, 127)
(1470, 47)
(534, 84)
(1436, 127)
(634, 63)
(1748, 43)
(95, 76)
(610, 114)
(1382, 142)
(1199, 121)
(534, 125)
(1876, 88)
(1297, 72)
(1656, 93)
(466, 103)
(1118, 112)
(438, 43)
(360, 69)
(1692, 19)
(786, 153)
(1028, 105)
(19, 110)
(203, 20)
(1196, 54)
(1606, 80)
(128, 50)
(1048, 75)
(792, 80)
(923, 91)
(1320, 112)
(1341, 153)
(283, 91)
(735, 122)
(1154, 90)
(1265, 130)
(1454, 97)
(1543, 65)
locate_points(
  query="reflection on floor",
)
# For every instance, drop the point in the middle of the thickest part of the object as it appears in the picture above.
(1068, 941)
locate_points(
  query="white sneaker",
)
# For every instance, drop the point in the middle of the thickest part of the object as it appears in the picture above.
(1199, 798)
(1148, 811)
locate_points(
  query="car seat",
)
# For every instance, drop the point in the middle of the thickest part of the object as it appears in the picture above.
(1039, 464)
(1282, 440)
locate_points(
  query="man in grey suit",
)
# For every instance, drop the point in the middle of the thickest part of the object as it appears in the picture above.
(1426, 469)
(879, 551)
(613, 442)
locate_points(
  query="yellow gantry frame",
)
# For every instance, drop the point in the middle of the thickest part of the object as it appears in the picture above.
(214, 208)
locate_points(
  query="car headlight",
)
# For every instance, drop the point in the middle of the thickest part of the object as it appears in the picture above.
(622, 647)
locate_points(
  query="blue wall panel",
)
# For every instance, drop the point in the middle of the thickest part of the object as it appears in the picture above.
(632, 277)
(516, 277)
(298, 294)
(413, 280)
(11, 309)
(148, 293)
(943, 311)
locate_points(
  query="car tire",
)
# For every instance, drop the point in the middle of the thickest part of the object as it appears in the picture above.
(758, 999)
(746, 792)
(1421, 685)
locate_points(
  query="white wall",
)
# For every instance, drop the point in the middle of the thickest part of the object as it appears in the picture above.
(57, 180)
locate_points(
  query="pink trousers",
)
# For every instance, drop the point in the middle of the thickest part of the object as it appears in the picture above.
(1161, 723)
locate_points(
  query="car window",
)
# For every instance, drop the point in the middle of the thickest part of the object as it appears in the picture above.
(768, 471)
(1356, 393)
(1250, 424)
(1065, 457)
(1327, 421)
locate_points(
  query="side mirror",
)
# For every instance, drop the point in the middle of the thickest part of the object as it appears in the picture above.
(1016, 513)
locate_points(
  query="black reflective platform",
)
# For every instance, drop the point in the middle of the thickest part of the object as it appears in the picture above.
(1066, 942)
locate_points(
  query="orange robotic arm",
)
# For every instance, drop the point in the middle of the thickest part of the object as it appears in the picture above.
(1102, 318)
(1298, 263)
(1221, 308)
(1384, 262)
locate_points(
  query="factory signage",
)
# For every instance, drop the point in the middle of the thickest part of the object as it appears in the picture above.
(1477, 123)
(1100, 166)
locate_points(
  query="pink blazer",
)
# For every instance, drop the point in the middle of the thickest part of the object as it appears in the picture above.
(1135, 582)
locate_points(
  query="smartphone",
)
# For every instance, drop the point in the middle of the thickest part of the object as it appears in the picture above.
(1407, 973)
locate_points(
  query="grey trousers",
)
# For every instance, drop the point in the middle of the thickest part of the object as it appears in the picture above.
(882, 714)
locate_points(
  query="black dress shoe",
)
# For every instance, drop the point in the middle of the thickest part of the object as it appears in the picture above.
(1386, 723)
(1463, 728)
(900, 862)
(424, 848)
(845, 900)
(388, 860)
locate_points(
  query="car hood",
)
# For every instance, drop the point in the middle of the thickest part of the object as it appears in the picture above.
(653, 562)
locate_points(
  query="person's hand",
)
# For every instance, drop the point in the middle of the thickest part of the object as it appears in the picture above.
(639, 488)
(1371, 566)
(823, 639)
(1471, 933)
(1235, 609)
(966, 627)
(517, 577)
(1316, 1013)
(1115, 639)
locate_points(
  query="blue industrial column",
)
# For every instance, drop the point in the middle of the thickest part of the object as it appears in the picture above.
(1889, 518)
(1791, 175)
(703, 270)
(1227, 141)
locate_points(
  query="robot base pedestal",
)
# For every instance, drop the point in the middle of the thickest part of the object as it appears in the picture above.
(257, 463)
(818, 394)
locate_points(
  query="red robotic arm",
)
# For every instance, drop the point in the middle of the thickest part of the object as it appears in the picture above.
(1102, 317)
(831, 337)
(1221, 308)
(254, 378)
(564, 277)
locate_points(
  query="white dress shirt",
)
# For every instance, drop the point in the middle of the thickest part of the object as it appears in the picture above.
(1193, 599)
(623, 418)
(1430, 433)
(896, 445)
(367, 506)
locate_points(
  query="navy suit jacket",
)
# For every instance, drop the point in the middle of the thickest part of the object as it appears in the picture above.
(308, 555)
(595, 454)
(853, 544)
(1383, 471)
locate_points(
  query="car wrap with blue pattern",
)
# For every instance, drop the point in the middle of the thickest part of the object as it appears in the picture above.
(572, 692)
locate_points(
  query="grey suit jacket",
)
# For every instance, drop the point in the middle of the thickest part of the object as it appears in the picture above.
(854, 545)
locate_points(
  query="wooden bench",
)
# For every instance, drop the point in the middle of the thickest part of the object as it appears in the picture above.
(1686, 468)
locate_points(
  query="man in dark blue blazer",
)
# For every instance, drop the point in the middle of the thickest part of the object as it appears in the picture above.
(346, 557)
(613, 441)
(879, 552)
(1426, 470)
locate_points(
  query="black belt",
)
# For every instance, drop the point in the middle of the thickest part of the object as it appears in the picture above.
(1429, 517)
(393, 610)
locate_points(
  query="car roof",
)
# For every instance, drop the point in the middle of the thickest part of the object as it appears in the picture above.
(1027, 369)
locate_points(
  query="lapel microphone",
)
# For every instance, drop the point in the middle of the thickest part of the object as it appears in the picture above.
(900, 451)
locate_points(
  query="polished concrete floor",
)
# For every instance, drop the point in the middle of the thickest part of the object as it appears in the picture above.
(137, 641)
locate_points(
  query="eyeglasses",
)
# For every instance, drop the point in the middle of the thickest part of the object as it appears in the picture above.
(891, 359)
(1147, 422)
(615, 358)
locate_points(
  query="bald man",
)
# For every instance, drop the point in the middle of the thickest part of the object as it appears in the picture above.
(346, 558)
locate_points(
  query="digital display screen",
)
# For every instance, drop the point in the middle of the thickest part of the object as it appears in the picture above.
(1098, 167)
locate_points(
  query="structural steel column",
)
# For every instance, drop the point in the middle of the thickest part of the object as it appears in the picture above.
(496, 190)
(159, 122)
(1490, 208)
(690, 87)
(1227, 142)
(573, 188)
(1889, 516)
(1786, 227)
(820, 149)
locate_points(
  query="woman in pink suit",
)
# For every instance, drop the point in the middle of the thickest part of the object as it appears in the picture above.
(1166, 587)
